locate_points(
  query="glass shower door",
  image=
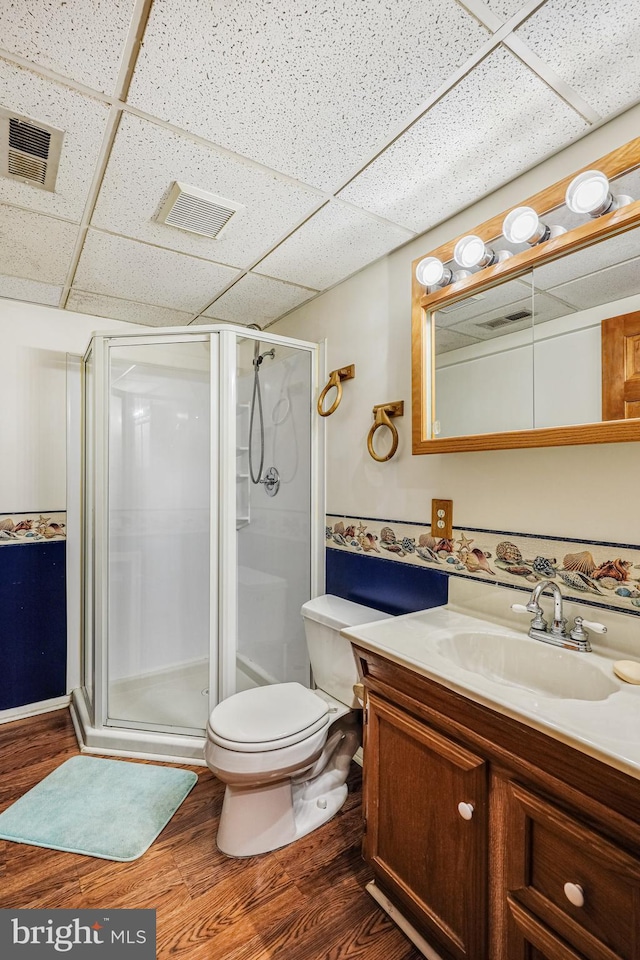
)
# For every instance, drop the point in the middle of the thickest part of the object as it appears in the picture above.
(273, 497)
(158, 522)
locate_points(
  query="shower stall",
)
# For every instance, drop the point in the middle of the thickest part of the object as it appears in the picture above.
(202, 529)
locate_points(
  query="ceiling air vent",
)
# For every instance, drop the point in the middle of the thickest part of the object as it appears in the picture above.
(504, 321)
(29, 150)
(461, 303)
(197, 211)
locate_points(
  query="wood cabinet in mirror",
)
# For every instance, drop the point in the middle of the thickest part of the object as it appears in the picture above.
(550, 286)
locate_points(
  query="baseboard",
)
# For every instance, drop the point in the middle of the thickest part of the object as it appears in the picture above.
(34, 709)
(401, 921)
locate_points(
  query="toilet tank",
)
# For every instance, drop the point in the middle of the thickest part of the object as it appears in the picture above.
(332, 660)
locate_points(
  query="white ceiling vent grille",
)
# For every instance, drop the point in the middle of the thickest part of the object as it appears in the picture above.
(504, 321)
(29, 150)
(197, 211)
(461, 303)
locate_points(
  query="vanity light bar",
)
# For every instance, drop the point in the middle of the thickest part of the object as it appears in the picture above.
(588, 194)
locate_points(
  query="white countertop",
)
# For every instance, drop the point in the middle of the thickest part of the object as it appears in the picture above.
(607, 728)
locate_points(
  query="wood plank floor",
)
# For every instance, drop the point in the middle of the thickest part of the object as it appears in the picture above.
(303, 902)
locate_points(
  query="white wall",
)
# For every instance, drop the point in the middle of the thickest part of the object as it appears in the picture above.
(34, 341)
(581, 491)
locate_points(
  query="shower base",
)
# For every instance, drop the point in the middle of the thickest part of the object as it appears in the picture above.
(141, 709)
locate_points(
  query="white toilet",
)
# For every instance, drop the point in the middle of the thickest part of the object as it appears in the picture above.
(284, 751)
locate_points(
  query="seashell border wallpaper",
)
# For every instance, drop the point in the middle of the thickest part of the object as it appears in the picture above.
(21, 528)
(599, 574)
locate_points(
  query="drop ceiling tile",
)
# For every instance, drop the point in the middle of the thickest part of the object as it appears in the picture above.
(255, 299)
(591, 45)
(496, 301)
(607, 286)
(147, 159)
(308, 89)
(504, 8)
(83, 120)
(447, 340)
(124, 268)
(80, 39)
(590, 261)
(35, 247)
(497, 122)
(330, 246)
(98, 305)
(546, 308)
(16, 288)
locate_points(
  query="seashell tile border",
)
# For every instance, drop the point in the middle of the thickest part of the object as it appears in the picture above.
(34, 527)
(599, 574)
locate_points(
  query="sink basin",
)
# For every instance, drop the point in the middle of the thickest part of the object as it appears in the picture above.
(529, 664)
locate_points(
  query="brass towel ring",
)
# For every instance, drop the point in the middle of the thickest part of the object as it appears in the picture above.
(382, 412)
(335, 380)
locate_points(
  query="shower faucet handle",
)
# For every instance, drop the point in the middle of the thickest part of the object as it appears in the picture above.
(271, 481)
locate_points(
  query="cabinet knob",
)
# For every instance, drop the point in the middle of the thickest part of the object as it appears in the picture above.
(465, 810)
(574, 894)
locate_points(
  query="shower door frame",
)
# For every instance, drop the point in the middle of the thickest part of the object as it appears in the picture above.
(130, 738)
(227, 532)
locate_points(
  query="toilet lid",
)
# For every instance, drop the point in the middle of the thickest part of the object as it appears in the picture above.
(263, 714)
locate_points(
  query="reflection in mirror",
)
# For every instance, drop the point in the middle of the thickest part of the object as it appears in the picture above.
(484, 362)
(592, 285)
(527, 353)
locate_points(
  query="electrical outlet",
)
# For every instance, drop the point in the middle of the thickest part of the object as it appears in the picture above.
(442, 519)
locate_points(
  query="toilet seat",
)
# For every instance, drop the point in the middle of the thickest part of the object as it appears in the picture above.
(267, 718)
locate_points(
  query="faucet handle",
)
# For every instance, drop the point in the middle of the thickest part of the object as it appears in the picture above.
(538, 622)
(581, 637)
(579, 625)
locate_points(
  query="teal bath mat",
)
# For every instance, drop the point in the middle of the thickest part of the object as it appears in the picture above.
(102, 808)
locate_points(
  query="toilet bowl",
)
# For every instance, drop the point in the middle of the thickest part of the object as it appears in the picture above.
(283, 750)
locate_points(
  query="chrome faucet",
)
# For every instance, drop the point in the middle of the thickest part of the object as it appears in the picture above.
(556, 634)
(557, 628)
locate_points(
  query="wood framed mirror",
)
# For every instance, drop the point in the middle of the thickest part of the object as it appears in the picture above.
(541, 347)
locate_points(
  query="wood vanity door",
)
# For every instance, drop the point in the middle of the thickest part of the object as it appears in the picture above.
(621, 367)
(428, 855)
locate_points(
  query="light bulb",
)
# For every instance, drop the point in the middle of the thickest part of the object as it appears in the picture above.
(471, 251)
(523, 225)
(589, 194)
(432, 272)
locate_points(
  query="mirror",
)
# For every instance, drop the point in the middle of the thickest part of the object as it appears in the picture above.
(542, 347)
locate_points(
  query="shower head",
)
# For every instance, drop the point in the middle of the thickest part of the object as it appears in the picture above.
(259, 357)
(256, 343)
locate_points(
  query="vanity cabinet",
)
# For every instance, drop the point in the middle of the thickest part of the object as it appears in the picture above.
(426, 825)
(493, 839)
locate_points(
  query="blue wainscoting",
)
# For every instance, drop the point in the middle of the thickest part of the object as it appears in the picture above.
(395, 588)
(33, 623)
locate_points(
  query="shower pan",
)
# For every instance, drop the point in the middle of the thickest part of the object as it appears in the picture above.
(194, 572)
